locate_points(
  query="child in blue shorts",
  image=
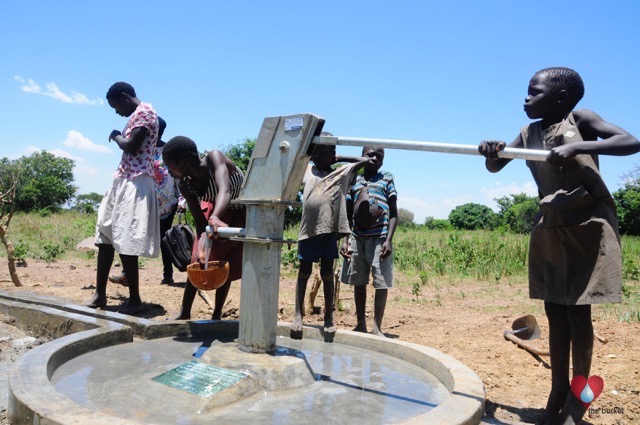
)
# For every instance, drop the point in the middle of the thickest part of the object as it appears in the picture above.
(324, 221)
(372, 209)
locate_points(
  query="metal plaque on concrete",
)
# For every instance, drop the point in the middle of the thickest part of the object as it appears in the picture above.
(200, 378)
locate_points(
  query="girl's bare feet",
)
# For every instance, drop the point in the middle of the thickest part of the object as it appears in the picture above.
(131, 308)
(296, 327)
(554, 404)
(360, 328)
(97, 301)
(377, 332)
(329, 332)
(572, 411)
(181, 316)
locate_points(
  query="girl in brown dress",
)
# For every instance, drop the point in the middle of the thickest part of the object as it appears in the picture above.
(574, 252)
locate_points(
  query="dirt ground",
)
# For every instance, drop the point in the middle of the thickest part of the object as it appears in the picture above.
(464, 319)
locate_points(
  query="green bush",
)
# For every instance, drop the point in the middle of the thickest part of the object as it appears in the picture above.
(20, 251)
(630, 270)
(437, 224)
(44, 212)
(517, 212)
(52, 251)
(290, 256)
(520, 217)
(472, 217)
(628, 207)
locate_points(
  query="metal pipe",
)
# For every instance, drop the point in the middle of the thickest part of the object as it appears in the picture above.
(512, 153)
(228, 232)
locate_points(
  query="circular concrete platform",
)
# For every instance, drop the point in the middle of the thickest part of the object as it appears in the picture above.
(105, 376)
(352, 385)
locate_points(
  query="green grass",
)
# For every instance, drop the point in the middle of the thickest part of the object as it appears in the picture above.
(49, 237)
(479, 254)
(626, 311)
(631, 257)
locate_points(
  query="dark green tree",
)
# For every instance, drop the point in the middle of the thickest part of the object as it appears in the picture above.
(240, 153)
(628, 202)
(628, 206)
(8, 183)
(88, 202)
(472, 216)
(517, 212)
(44, 181)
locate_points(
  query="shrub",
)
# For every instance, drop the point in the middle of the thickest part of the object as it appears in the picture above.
(20, 251)
(472, 216)
(437, 224)
(52, 251)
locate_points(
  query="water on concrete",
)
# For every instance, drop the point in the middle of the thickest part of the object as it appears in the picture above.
(350, 385)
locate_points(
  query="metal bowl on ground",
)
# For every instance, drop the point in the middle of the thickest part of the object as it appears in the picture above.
(213, 277)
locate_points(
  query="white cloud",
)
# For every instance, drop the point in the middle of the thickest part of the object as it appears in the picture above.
(52, 90)
(423, 208)
(84, 170)
(55, 152)
(77, 140)
(454, 202)
(64, 154)
(498, 191)
(419, 207)
(31, 149)
(26, 152)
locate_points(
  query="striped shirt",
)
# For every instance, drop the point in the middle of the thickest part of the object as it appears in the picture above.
(380, 189)
(235, 179)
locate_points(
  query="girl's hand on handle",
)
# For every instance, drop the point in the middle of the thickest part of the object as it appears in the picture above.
(560, 154)
(215, 222)
(490, 148)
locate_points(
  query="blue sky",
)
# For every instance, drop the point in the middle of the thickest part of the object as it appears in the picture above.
(453, 72)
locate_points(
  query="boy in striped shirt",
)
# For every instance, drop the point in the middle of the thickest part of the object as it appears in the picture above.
(373, 215)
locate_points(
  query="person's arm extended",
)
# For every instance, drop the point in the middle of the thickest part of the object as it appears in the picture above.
(218, 161)
(393, 221)
(490, 148)
(340, 158)
(360, 162)
(133, 143)
(615, 140)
